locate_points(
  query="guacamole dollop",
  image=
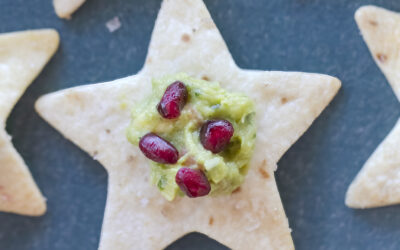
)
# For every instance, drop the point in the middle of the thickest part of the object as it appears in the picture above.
(206, 101)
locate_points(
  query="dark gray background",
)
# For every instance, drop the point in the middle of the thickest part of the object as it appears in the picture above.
(296, 35)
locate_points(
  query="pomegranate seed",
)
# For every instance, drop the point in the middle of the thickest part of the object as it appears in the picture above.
(193, 182)
(216, 134)
(157, 149)
(173, 100)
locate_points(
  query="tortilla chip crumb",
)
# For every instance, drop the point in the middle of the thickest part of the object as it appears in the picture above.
(113, 24)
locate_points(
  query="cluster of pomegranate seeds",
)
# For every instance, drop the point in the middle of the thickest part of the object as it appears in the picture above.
(153, 146)
(173, 100)
(216, 134)
(192, 182)
(157, 149)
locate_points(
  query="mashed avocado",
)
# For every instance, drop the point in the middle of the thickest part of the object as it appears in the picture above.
(207, 100)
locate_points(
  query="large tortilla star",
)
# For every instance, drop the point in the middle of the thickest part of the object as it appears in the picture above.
(378, 182)
(22, 57)
(95, 117)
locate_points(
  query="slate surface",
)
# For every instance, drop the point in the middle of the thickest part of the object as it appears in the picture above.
(296, 35)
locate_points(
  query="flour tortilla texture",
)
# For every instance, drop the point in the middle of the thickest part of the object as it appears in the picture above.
(65, 8)
(95, 117)
(22, 57)
(378, 182)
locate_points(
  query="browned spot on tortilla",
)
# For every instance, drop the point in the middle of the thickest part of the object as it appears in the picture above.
(381, 57)
(205, 78)
(211, 221)
(75, 98)
(284, 100)
(131, 158)
(108, 131)
(95, 153)
(148, 60)
(373, 22)
(263, 173)
(186, 38)
(166, 210)
(237, 190)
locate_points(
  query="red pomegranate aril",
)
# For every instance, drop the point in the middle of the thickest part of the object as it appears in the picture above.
(216, 134)
(173, 100)
(157, 149)
(192, 182)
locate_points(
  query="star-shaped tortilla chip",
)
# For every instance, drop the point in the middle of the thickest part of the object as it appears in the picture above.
(65, 8)
(378, 182)
(22, 57)
(96, 117)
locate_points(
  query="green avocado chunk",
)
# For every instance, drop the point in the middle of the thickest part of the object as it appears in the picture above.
(206, 101)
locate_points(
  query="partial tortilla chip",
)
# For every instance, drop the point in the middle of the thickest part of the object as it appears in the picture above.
(378, 182)
(22, 57)
(95, 117)
(65, 8)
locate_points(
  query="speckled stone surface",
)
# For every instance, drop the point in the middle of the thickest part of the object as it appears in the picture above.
(296, 35)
